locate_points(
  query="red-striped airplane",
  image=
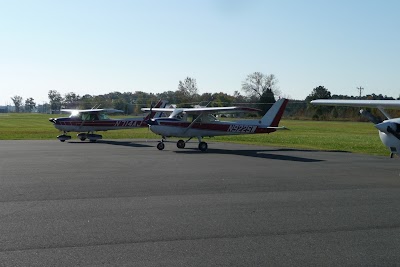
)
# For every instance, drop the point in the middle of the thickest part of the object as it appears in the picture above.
(87, 121)
(200, 122)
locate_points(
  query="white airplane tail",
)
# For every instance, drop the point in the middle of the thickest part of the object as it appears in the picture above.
(274, 114)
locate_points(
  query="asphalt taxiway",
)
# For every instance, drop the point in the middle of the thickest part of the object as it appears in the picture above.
(124, 203)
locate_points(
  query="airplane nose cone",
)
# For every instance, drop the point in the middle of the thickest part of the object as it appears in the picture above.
(387, 127)
(382, 126)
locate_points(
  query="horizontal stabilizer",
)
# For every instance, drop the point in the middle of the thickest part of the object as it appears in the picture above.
(279, 128)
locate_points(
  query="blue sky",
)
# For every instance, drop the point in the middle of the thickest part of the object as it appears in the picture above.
(96, 47)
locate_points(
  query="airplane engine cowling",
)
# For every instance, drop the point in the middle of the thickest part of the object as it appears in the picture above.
(389, 127)
(390, 141)
(389, 133)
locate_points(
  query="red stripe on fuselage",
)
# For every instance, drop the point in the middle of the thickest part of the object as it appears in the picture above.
(120, 124)
(220, 127)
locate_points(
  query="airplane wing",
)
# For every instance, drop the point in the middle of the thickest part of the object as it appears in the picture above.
(158, 109)
(102, 110)
(395, 104)
(205, 110)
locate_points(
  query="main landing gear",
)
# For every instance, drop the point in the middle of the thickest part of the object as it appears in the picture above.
(91, 136)
(82, 136)
(203, 146)
(181, 144)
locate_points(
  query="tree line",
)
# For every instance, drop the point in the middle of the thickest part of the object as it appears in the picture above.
(259, 90)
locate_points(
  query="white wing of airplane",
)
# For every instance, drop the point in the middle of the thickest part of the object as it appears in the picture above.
(358, 103)
(389, 130)
(92, 110)
(207, 110)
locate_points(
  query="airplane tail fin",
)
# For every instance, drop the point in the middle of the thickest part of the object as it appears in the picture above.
(274, 114)
(152, 114)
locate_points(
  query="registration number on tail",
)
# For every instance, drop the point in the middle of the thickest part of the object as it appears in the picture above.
(242, 129)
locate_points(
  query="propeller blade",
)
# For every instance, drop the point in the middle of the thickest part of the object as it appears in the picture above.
(370, 117)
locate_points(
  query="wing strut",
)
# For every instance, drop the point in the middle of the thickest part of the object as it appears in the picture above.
(194, 121)
(381, 109)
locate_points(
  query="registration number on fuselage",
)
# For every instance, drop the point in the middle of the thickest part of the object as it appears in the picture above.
(242, 128)
(127, 123)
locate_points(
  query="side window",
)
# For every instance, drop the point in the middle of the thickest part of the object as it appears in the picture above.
(94, 117)
(85, 116)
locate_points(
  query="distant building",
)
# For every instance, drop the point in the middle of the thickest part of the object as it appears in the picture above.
(7, 109)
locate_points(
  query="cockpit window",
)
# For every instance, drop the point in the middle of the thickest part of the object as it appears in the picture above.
(211, 117)
(90, 116)
(103, 116)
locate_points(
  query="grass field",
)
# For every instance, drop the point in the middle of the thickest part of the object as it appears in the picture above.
(358, 137)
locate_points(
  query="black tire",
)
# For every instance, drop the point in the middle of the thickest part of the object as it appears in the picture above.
(203, 146)
(62, 141)
(181, 144)
(82, 139)
(160, 146)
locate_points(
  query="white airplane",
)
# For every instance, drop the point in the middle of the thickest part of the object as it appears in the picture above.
(87, 121)
(389, 129)
(200, 122)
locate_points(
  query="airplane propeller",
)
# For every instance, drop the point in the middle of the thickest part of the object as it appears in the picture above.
(370, 117)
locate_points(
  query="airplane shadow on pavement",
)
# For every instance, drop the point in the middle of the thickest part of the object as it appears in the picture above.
(256, 153)
(118, 143)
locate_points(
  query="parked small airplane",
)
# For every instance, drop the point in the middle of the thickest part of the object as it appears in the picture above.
(87, 121)
(389, 129)
(200, 122)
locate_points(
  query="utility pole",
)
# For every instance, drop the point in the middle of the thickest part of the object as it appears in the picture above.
(360, 89)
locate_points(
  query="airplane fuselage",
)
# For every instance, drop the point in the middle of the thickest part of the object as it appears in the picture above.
(173, 127)
(74, 125)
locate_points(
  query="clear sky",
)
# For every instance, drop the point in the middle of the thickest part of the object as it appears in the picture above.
(100, 46)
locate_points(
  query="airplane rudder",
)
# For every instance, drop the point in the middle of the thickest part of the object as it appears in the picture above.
(274, 114)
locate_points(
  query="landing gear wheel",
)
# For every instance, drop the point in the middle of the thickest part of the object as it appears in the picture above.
(82, 136)
(180, 144)
(203, 146)
(160, 146)
(62, 141)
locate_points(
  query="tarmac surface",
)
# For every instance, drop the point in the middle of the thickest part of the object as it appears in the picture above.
(124, 203)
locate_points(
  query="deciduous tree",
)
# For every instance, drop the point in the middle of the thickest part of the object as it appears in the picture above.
(187, 91)
(17, 102)
(262, 88)
(55, 100)
(30, 104)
